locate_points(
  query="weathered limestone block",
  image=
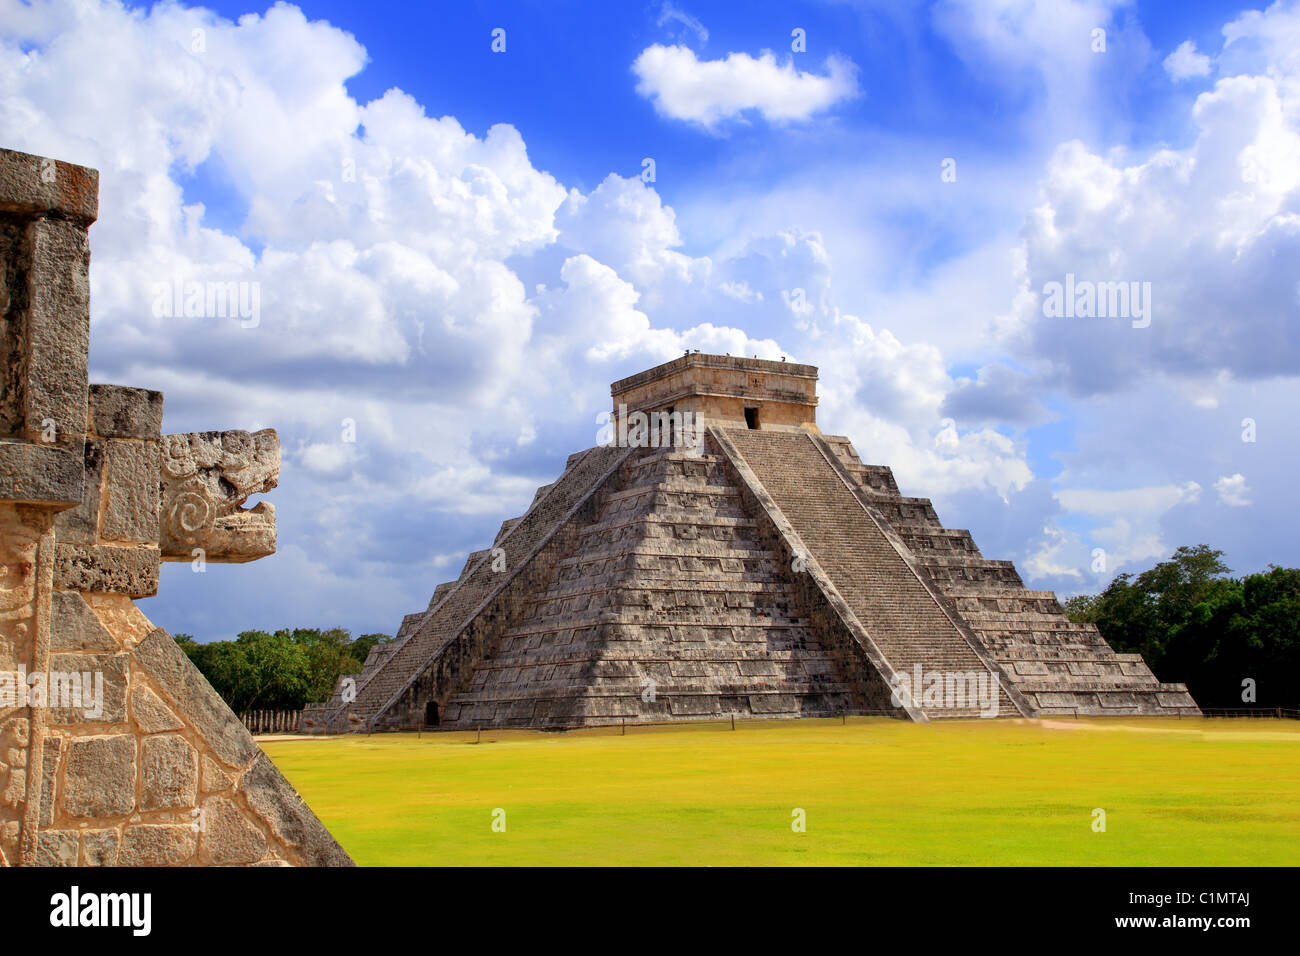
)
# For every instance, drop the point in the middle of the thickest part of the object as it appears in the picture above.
(118, 613)
(75, 627)
(166, 663)
(152, 844)
(40, 473)
(15, 786)
(13, 762)
(206, 477)
(57, 848)
(14, 260)
(213, 778)
(37, 184)
(206, 712)
(227, 836)
(58, 331)
(131, 504)
(118, 411)
(51, 759)
(150, 714)
(279, 805)
(93, 685)
(169, 773)
(100, 847)
(18, 546)
(130, 570)
(100, 777)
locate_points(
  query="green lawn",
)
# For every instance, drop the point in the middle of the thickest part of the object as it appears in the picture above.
(875, 791)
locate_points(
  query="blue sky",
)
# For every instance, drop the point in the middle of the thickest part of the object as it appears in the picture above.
(565, 84)
(456, 251)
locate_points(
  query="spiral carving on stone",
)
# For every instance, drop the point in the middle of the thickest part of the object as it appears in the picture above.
(190, 515)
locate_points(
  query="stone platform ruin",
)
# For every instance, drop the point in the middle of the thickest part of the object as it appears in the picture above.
(114, 749)
(720, 557)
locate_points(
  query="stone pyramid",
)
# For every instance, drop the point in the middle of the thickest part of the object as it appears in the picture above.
(720, 557)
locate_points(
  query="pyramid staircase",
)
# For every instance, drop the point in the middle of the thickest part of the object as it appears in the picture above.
(898, 608)
(1059, 666)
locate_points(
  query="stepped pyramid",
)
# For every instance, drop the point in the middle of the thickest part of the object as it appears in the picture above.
(720, 557)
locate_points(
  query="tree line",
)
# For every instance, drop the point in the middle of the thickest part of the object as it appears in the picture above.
(1235, 641)
(279, 670)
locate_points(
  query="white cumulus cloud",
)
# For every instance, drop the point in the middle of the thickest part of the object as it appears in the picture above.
(1185, 63)
(708, 92)
(1233, 491)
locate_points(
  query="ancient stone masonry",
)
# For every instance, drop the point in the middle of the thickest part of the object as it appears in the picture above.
(114, 750)
(760, 569)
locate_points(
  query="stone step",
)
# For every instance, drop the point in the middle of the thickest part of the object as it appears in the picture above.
(924, 540)
(541, 493)
(893, 604)
(471, 560)
(588, 710)
(518, 683)
(660, 525)
(694, 626)
(440, 592)
(504, 530)
(873, 478)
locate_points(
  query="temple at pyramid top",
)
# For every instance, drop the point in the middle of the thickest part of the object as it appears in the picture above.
(725, 390)
(748, 566)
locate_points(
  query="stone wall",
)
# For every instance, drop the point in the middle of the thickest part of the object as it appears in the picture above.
(719, 389)
(114, 750)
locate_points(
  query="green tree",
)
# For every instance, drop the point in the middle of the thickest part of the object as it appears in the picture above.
(280, 670)
(275, 675)
(1138, 614)
(1193, 623)
(362, 645)
(1082, 608)
(329, 654)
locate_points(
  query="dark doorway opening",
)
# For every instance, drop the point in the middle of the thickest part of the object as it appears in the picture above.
(431, 714)
(751, 418)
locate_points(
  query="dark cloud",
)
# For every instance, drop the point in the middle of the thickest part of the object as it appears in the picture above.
(999, 395)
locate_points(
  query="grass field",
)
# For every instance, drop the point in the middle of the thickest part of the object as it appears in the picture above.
(874, 791)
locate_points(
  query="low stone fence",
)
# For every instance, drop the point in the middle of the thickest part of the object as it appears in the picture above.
(1279, 713)
(271, 721)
